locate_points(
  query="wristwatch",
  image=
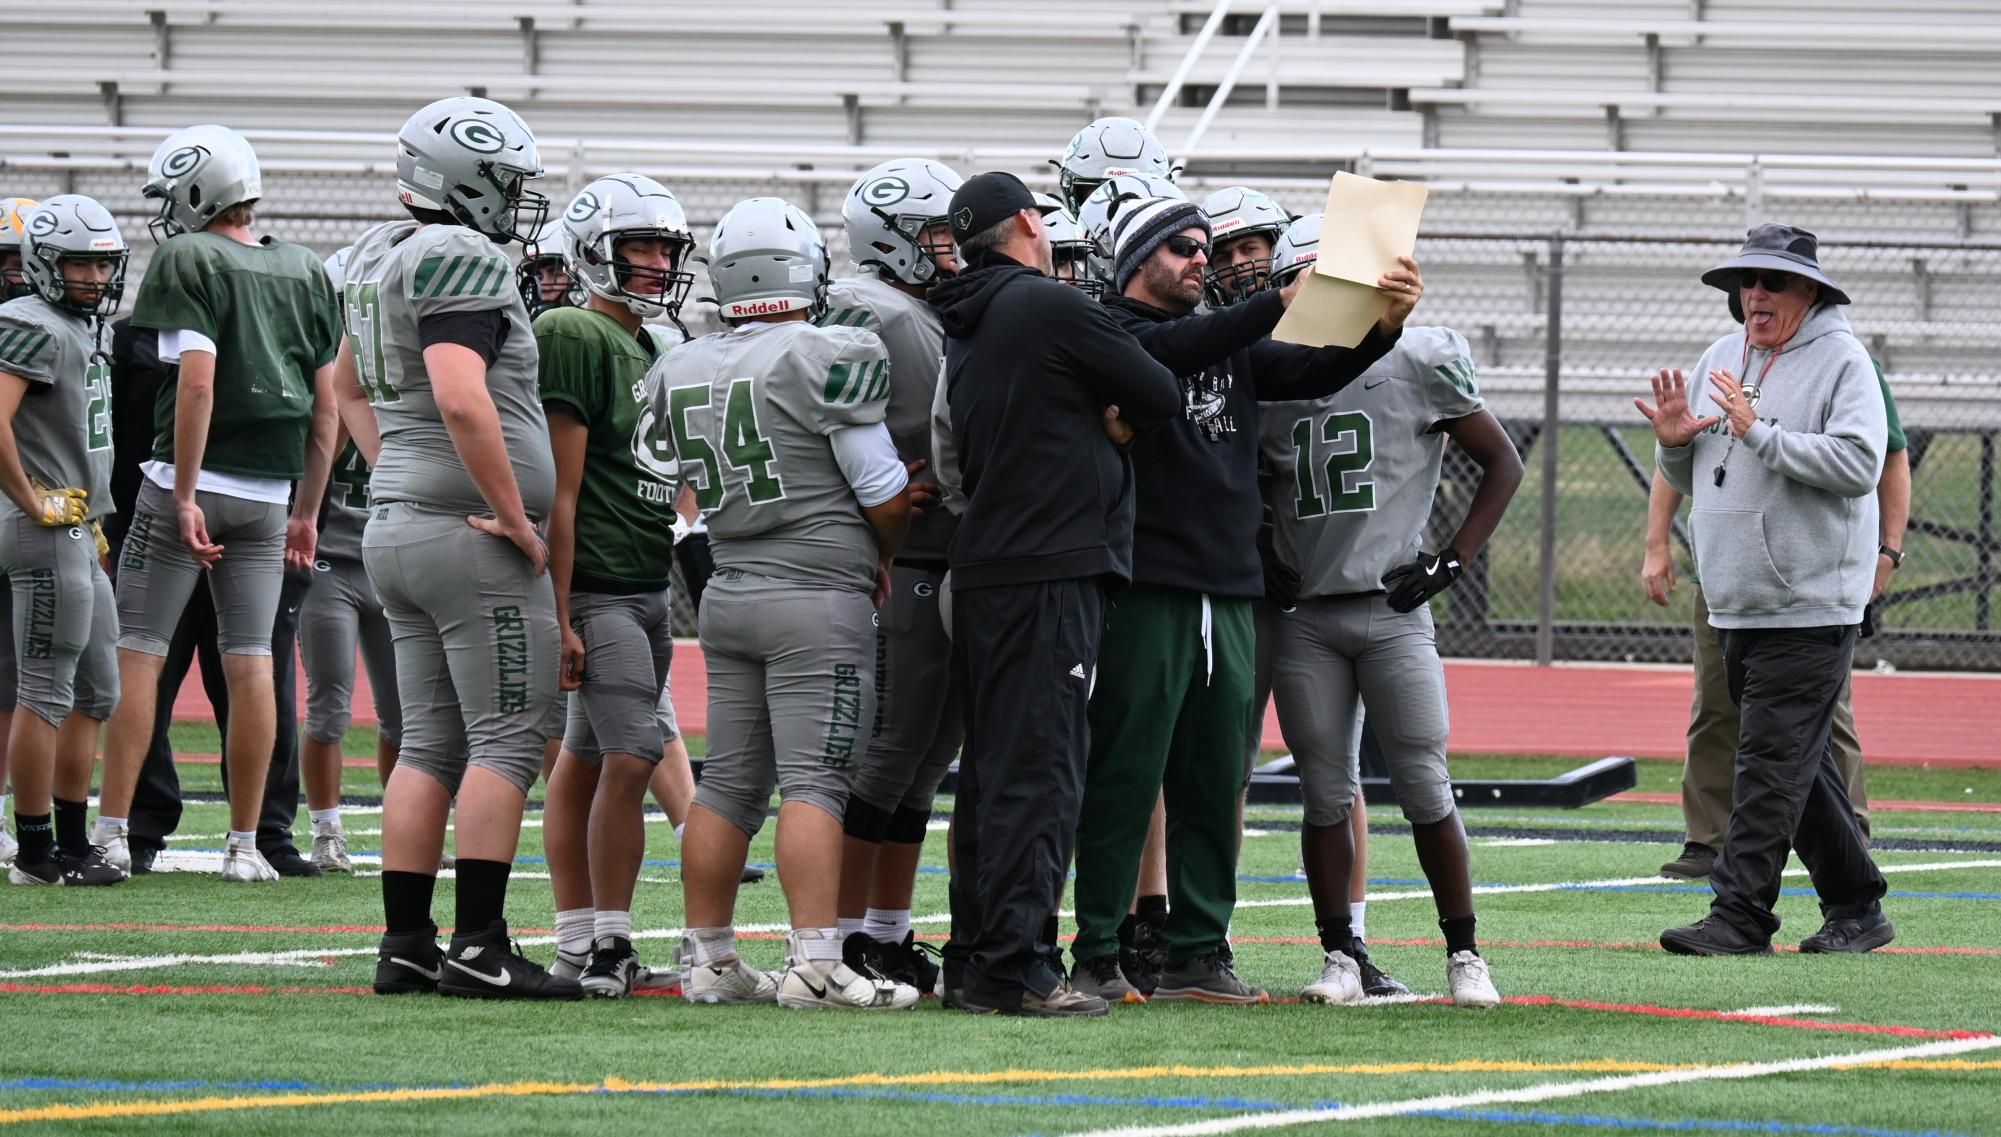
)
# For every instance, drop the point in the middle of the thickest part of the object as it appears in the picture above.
(1896, 555)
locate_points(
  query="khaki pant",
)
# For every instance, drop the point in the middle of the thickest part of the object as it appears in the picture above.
(1711, 769)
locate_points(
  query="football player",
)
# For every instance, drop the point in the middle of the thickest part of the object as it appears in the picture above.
(1246, 226)
(1105, 149)
(340, 611)
(438, 387)
(901, 238)
(542, 276)
(611, 554)
(1353, 477)
(1070, 252)
(252, 325)
(780, 427)
(55, 474)
(12, 284)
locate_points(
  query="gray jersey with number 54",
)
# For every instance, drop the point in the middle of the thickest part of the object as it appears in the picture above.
(1353, 474)
(751, 412)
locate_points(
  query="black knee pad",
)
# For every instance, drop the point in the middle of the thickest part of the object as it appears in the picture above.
(907, 826)
(865, 822)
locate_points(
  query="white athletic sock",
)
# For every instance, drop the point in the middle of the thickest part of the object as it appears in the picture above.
(327, 818)
(241, 837)
(710, 945)
(887, 925)
(617, 924)
(1355, 920)
(824, 948)
(679, 830)
(111, 822)
(848, 926)
(573, 930)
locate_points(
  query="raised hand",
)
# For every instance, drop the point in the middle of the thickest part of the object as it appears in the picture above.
(1674, 424)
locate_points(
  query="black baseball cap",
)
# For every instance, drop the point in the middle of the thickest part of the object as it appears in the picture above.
(986, 200)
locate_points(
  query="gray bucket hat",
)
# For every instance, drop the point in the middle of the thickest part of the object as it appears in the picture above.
(1781, 248)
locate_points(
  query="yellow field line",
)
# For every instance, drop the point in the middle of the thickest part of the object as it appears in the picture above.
(120, 1109)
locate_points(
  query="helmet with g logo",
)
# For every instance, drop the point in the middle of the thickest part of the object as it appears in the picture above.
(621, 207)
(471, 159)
(887, 211)
(196, 173)
(13, 212)
(70, 227)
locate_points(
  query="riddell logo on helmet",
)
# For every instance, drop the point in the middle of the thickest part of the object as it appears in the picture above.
(738, 309)
(1221, 227)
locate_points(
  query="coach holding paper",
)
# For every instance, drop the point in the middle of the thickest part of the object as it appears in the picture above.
(1784, 524)
(1043, 390)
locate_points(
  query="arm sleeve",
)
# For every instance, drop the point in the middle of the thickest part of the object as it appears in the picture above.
(566, 377)
(174, 341)
(26, 350)
(1285, 371)
(868, 460)
(484, 332)
(175, 293)
(852, 387)
(460, 271)
(1110, 363)
(1187, 345)
(1846, 457)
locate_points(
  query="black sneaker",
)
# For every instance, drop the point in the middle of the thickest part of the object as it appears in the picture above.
(1376, 982)
(1711, 936)
(1851, 936)
(863, 954)
(1695, 862)
(143, 857)
(488, 965)
(910, 962)
(288, 862)
(613, 971)
(1208, 978)
(1143, 962)
(408, 963)
(65, 870)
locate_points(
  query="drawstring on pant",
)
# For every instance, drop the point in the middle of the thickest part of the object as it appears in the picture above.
(1208, 641)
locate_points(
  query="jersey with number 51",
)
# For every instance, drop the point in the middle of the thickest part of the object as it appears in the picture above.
(752, 412)
(398, 276)
(1354, 474)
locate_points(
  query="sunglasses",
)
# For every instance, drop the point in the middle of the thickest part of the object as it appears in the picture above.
(1771, 280)
(1186, 246)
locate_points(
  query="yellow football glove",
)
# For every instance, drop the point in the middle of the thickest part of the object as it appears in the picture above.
(103, 544)
(62, 506)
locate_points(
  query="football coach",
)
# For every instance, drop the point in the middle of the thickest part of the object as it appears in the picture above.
(1044, 390)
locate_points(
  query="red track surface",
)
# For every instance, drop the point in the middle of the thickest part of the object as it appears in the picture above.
(1583, 710)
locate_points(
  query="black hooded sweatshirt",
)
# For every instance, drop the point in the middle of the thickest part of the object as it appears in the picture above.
(1030, 365)
(1199, 504)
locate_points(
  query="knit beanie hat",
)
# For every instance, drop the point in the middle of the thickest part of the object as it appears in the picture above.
(1143, 226)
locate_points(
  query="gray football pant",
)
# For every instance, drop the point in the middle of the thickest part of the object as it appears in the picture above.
(1332, 657)
(1711, 768)
(8, 678)
(628, 646)
(791, 694)
(476, 644)
(156, 573)
(339, 613)
(917, 723)
(64, 623)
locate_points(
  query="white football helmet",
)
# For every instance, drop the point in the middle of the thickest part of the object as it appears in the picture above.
(66, 227)
(1236, 212)
(767, 257)
(1296, 250)
(620, 207)
(1105, 149)
(13, 215)
(197, 173)
(471, 159)
(889, 208)
(1069, 250)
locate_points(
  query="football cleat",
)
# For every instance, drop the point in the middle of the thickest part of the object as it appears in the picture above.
(488, 965)
(111, 838)
(1340, 981)
(1143, 962)
(330, 849)
(408, 963)
(243, 864)
(63, 870)
(570, 965)
(614, 969)
(728, 981)
(666, 980)
(1376, 983)
(8, 846)
(806, 986)
(286, 861)
(1471, 985)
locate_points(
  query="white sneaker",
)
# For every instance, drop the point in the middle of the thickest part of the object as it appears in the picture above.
(330, 849)
(1340, 981)
(728, 981)
(8, 846)
(806, 986)
(1466, 974)
(569, 966)
(111, 838)
(243, 864)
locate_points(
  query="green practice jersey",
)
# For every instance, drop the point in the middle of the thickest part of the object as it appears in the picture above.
(751, 412)
(1353, 474)
(273, 317)
(346, 510)
(596, 372)
(397, 276)
(63, 428)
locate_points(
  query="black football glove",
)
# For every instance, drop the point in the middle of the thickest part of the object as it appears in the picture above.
(1428, 575)
(1281, 579)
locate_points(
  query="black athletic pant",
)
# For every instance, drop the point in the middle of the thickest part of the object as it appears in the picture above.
(697, 566)
(1023, 655)
(1788, 790)
(156, 806)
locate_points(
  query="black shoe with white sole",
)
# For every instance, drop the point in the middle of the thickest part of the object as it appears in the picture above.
(487, 965)
(68, 871)
(408, 963)
(1376, 983)
(613, 970)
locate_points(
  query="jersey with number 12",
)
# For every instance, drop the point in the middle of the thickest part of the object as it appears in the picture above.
(751, 413)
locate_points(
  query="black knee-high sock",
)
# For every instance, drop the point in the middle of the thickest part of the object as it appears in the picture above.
(482, 894)
(38, 837)
(1337, 935)
(406, 901)
(72, 830)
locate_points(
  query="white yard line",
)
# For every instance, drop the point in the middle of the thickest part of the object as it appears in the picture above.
(1547, 1091)
(1785, 1012)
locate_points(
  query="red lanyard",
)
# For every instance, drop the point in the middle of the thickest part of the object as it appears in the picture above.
(1744, 365)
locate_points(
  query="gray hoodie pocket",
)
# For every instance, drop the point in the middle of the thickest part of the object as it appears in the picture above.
(1734, 560)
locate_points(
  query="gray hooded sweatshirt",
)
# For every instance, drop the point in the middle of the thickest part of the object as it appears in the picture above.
(1789, 539)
